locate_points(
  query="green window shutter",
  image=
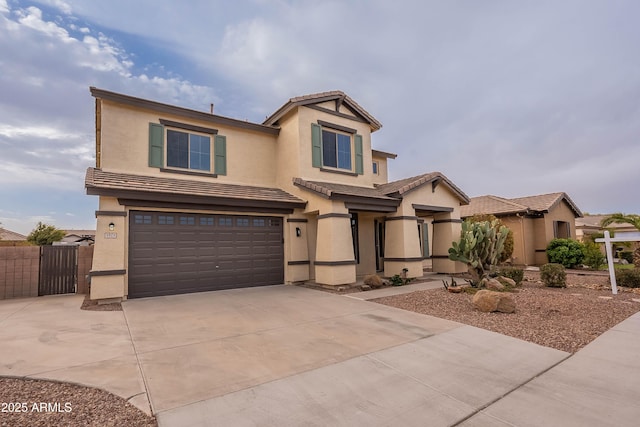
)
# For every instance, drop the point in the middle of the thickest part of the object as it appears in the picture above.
(220, 153)
(359, 161)
(316, 145)
(156, 145)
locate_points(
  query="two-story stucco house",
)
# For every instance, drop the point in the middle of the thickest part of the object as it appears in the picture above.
(192, 201)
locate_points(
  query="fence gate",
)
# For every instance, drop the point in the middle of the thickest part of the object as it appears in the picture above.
(58, 269)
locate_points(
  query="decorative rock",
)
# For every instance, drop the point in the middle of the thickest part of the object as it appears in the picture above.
(373, 280)
(494, 285)
(365, 287)
(489, 301)
(457, 289)
(507, 281)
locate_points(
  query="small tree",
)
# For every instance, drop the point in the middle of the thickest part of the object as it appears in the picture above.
(480, 246)
(45, 234)
(632, 219)
(593, 257)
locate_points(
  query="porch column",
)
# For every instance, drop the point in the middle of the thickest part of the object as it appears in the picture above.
(402, 246)
(335, 263)
(446, 230)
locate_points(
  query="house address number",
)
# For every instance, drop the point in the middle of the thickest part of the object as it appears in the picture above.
(110, 235)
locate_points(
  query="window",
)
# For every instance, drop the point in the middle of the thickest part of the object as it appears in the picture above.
(142, 219)
(165, 220)
(375, 168)
(187, 220)
(561, 230)
(336, 147)
(188, 151)
(336, 150)
(206, 220)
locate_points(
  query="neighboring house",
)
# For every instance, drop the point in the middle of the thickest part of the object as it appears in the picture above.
(534, 221)
(79, 237)
(11, 238)
(192, 201)
(590, 224)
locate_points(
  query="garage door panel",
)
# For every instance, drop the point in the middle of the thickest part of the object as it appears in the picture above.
(180, 253)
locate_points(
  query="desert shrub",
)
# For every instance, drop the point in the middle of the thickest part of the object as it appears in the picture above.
(514, 273)
(507, 249)
(567, 252)
(628, 278)
(627, 256)
(553, 275)
(593, 256)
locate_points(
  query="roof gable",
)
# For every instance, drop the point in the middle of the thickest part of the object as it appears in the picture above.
(405, 185)
(338, 100)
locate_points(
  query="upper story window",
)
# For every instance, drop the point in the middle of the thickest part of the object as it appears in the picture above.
(375, 168)
(336, 148)
(188, 150)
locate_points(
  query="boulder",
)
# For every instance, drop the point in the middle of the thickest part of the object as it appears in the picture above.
(507, 281)
(494, 285)
(373, 280)
(489, 301)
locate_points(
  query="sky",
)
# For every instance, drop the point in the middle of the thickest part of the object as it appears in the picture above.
(509, 98)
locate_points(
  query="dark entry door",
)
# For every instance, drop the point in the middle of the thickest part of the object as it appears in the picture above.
(173, 253)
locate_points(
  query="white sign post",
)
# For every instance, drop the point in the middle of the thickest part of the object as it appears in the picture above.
(630, 236)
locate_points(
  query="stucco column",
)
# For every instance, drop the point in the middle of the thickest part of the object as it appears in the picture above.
(335, 263)
(296, 239)
(402, 246)
(108, 269)
(446, 230)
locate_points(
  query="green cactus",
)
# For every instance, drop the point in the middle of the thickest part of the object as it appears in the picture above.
(480, 246)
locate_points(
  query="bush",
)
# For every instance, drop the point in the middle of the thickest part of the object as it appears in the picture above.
(567, 252)
(627, 256)
(628, 278)
(553, 275)
(514, 273)
(593, 257)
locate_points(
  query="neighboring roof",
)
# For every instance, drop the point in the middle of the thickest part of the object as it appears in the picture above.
(9, 235)
(528, 205)
(99, 182)
(595, 221)
(79, 233)
(317, 98)
(179, 111)
(378, 153)
(407, 184)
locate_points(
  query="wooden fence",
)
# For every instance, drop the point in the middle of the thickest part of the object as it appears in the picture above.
(21, 270)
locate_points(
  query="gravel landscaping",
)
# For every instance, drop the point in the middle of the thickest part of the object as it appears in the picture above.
(566, 319)
(27, 402)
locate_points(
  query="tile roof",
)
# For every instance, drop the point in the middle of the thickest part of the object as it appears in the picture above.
(317, 98)
(530, 204)
(330, 189)
(11, 235)
(407, 184)
(596, 221)
(102, 180)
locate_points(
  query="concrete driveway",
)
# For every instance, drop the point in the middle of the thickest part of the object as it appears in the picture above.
(283, 355)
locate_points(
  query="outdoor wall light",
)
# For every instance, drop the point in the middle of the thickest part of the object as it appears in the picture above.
(298, 232)
(112, 226)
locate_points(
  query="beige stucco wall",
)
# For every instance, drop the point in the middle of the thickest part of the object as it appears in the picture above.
(251, 156)
(383, 174)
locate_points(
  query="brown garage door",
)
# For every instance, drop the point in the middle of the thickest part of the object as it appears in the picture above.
(174, 253)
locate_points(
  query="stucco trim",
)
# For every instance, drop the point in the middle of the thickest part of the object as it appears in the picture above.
(297, 220)
(440, 256)
(450, 220)
(379, 153)
(335, 263)
(541, 250)
(401, 218)
(107, 273)
(338, 172)
(337, 113)
(187, 126)
(334, 215)
(429, 208)
(203, 207)
(371, 207)
(413, 259)
(305, 262)
(192, 173)
(111, 213)
(336, 127)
